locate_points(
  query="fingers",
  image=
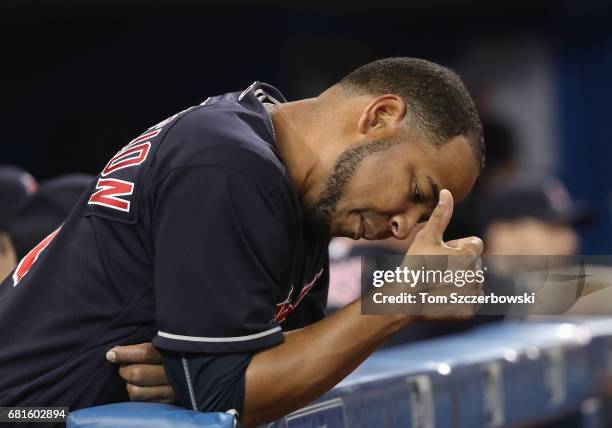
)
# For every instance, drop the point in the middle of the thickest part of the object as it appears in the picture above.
(159, 394)
(142, 353)
(439, 219)
(470, 246)
(453, 243)
(146, 380)
(144, 374)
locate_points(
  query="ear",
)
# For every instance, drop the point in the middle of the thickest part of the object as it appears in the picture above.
(382, 115)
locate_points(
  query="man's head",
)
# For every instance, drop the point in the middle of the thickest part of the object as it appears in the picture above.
(392, 134)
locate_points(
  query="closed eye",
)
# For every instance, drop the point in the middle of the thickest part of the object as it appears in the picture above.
(417, 196)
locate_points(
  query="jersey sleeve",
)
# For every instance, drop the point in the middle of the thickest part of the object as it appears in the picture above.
(221, 243)
(208, 383)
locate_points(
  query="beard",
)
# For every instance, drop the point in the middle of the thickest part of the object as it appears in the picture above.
(319, 217)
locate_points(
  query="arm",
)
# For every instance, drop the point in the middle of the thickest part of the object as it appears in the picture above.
(313, 359)
(292, 377)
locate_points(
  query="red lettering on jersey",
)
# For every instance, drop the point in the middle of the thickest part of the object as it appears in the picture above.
(108, 190)
(284, 309)
(133, 154)
(127, 157)
(27, 262)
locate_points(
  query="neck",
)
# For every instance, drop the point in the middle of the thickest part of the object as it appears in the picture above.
(295, 140)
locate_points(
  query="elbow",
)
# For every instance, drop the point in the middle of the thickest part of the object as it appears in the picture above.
(247, 421)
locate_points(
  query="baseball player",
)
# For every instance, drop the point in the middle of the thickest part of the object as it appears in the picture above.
(208, 235)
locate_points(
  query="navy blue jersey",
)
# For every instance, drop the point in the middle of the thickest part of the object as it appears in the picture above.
(192, 236)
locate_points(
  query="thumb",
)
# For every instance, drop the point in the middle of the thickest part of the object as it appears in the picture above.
(440, 217)
(142, 353)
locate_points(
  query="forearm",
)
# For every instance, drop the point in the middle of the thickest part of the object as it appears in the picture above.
(279, 380)
(311, 361)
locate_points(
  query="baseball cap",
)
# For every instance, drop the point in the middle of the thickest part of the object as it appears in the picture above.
(544, 199)
(45, 210)
(15, 185)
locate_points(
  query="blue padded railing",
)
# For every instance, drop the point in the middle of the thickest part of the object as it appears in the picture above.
(506, 374)
(150, 415)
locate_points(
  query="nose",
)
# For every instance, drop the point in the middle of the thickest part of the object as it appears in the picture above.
(402, 224)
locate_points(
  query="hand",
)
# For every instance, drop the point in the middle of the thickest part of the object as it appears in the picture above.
(430, 251)
(429, 240)
(143, 370)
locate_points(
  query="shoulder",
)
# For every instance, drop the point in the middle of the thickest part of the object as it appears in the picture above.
(224, 134)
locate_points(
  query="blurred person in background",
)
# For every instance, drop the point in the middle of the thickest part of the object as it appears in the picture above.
(43, 211)
(15, 185)
(529, 225)
(531, 216)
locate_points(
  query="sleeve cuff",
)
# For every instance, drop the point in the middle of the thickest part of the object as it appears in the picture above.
(252, 342)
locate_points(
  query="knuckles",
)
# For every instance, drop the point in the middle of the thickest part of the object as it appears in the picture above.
(472, 246)
(155, 394)
(143, 352)
(133, 374)
(148, 352)
(136, 393)
(152, 355)
(139, 374)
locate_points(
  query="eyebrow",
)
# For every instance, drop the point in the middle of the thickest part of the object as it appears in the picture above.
(435, 192)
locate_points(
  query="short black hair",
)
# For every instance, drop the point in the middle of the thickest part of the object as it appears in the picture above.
(435, 97)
